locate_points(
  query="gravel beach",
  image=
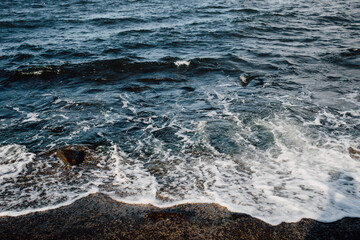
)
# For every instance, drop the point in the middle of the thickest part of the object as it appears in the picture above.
(100, 217)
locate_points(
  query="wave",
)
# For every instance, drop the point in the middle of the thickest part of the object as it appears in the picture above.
(112, 70)
(282, 171)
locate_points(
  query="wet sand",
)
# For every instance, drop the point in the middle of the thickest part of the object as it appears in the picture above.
(100, 217)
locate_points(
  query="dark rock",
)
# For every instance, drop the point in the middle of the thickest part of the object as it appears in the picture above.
(246, 78)
(157, 215)
(249, 79)
(354, 153)
(71, 155)
(97, 216)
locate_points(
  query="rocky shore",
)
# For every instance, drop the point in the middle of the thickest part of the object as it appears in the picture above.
(100, 217)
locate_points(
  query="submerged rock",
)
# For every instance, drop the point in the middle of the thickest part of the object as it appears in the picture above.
(246, 78)
(189, 89)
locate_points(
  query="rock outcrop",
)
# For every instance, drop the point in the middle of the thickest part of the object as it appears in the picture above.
(97, 216)
(73, 155)
(354, 152)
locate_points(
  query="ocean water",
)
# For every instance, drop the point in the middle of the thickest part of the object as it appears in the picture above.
(254, 105)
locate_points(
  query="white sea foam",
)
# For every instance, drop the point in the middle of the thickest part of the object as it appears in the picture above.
(301, 180)
(31, 117)
(46, 208)
(132, 176)
(182, 63)
(126, 103)
(13, 160)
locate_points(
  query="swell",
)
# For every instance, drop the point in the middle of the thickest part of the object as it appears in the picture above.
(116, 70)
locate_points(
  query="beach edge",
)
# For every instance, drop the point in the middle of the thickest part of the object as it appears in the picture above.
(98, 216)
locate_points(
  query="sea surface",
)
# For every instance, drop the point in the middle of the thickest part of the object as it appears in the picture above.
(254, 105)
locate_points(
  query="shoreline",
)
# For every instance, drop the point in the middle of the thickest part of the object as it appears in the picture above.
(98, 216)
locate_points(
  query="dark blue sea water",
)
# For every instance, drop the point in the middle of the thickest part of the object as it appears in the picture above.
(254, 105)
